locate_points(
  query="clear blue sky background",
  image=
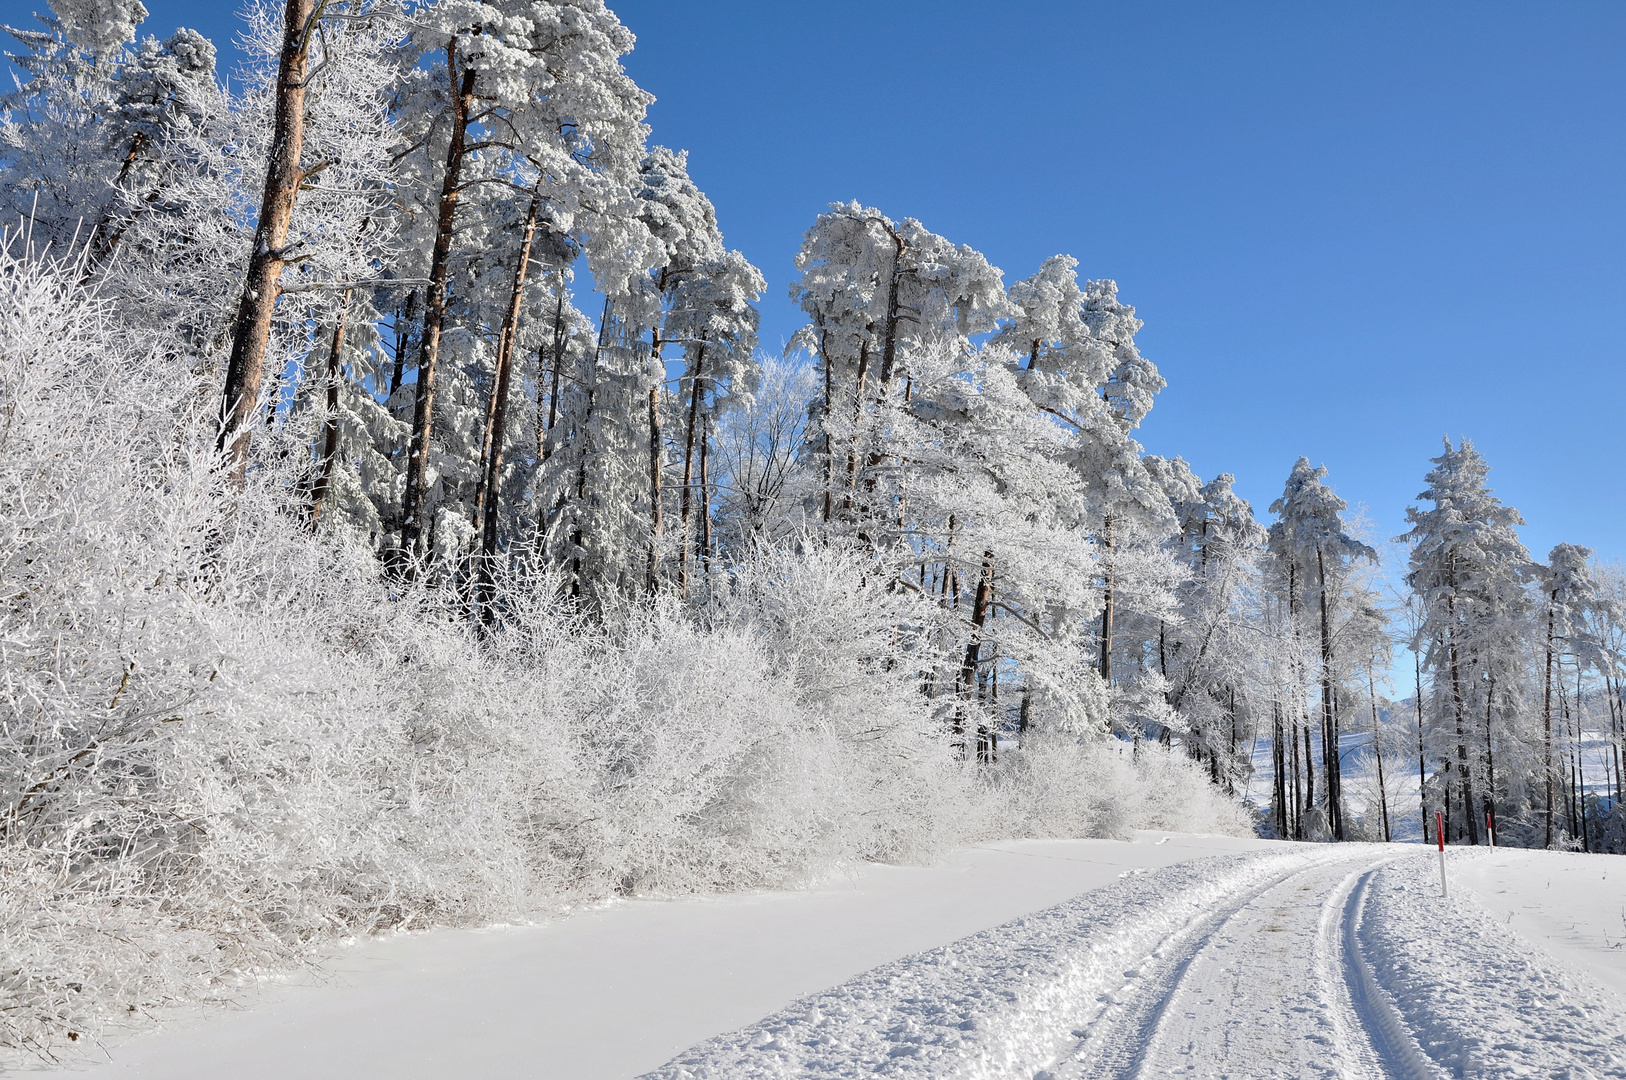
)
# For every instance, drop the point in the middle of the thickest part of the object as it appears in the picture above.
(1350, 229)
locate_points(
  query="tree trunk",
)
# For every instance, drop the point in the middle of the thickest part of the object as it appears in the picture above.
(655, 522)
(262, 283)
(1489, 800)
(558, 359)
(858, 416)
(330, 426)
(1422, 771)
(1106, 604)
(403, 331)
(434, 314)
(488, 499)
(1464, 779)
(1278, 756)
(1377, 749)
(1329, 725)
(686, 497)
(1580, 759)
(705, 495)
(889, 339)
(973, 648)
(1547, 721)
(1298, 788)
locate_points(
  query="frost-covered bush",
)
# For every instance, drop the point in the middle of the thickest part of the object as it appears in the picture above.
(1063, 786)
(226, 741)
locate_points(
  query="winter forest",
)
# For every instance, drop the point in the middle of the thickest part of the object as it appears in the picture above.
(403, 526)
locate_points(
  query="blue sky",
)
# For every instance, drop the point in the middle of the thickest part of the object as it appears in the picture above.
(1350, 229)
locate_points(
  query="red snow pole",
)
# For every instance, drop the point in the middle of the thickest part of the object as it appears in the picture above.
(1439, 831)
(1490, 829)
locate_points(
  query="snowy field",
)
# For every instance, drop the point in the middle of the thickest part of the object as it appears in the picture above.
(1079, 959)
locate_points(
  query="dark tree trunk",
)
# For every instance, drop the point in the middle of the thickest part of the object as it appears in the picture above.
(403, 332)
(1377, 749)
(1489, 800)
(1106, 604)
(330, 426)
(889, 339)
(434, 314)
(488, 499)
(262, 283)
(1465, 780)
(705, 495)
(1547, 721)
(1422, 771)
(1330, 764)
(655, 521)
(1278, 754)
(973, 648)
(686, 497)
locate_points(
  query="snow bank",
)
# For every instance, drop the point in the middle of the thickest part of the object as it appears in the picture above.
(1479, 998)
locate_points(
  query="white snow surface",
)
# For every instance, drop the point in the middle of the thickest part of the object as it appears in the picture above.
(1171, 955)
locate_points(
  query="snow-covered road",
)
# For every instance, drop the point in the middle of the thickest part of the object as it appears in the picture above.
(1317, 962)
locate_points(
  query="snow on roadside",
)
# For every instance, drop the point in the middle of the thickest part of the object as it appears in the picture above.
(1000, 1003)
(1479, 999)
(1570, 904)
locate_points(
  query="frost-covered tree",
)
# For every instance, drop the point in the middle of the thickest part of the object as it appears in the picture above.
(1081, 367)
(1313, 555)
(1468, 569)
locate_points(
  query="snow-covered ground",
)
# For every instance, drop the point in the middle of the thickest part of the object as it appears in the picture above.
(1073, 958)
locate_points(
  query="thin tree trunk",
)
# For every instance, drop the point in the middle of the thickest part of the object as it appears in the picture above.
(1298, 790)
(1489, 800)
(403, 332)
(1279, 764)
(434, 314)
(858, 415)
(686, 497)
(488, 499)
(262, 283)
(1301, 677)
(558, 363)
(705, 496)
(577, 535)
(1580, 758)
(1422, 770)
(1106, 604)
(1460, 708)
(330, 426)
(1329, 725)
(1547, 721)
(486, 506)
(973, 648)
(1377, 748)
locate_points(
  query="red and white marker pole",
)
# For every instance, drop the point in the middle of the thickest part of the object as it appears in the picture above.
(1439, 832)
(1490, 829)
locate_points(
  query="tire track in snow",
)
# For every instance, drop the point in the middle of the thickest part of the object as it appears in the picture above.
(1395, 1046)
(1316, 961)
(1266, 984)
(1000, 1003)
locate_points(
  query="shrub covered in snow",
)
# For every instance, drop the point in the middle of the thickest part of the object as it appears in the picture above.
(227, 742)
